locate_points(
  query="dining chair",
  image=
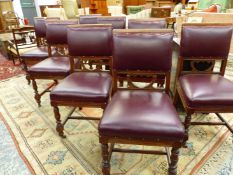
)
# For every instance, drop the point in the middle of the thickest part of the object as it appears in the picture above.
(206, 91)
(24, 48)
(86, 86)
(57, 65)
(150, 23)
(141, 114)
(118, 22)
(40, 29)
(89, 19)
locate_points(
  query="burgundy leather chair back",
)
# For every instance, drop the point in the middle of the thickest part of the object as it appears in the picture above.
(147, 23)
(117, 22)
(142, 50)
(88, 19)
(56, 32)
(90, 40)
(210, 40)
(40, 27)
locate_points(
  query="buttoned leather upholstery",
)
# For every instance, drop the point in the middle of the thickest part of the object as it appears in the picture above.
(90, 41)
(88, 19)
(117, 22)
(83, 87)
(147, 51)
(53, 66)
(141, 115)
(203, 41)
(207, 90)
(147, 24)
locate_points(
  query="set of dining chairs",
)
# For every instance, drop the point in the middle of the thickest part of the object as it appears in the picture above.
(101, 65)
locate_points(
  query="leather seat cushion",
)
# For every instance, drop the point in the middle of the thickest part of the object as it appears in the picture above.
(141, 114)
(57, 66)
(83, 87)
(35, 52)
(208, 90)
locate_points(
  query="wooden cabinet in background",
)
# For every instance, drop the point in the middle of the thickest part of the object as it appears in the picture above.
(99, 7)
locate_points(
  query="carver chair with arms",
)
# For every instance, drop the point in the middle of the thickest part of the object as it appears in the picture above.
(57, 65)
(141, 115)
(86, 86)
(205, 91)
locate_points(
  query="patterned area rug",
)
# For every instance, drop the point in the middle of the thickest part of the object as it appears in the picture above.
(8, 69)
(210, 149)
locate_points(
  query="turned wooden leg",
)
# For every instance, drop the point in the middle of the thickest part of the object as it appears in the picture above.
(37, 95)
(172, 170)
(105, 161)
(28, 79)
(186, 125)
(60, 127)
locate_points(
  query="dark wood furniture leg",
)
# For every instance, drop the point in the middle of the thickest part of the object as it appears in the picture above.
(105, 161)
(172, 170)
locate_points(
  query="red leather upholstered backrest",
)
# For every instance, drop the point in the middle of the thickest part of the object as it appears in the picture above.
(210, 40)
(147, 23)
(142, 50)
(90, 40)
(56, 32)
(117, 22)
(88, 19)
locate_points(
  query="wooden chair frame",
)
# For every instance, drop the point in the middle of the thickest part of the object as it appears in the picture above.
(203, 109)
(83, 64)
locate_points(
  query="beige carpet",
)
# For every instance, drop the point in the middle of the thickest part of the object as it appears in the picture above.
(210, 149)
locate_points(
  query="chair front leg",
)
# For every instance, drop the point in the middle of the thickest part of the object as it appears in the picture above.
(187, 124)
(37, 95)
(172, 170)
(59, 127)
(105, 159)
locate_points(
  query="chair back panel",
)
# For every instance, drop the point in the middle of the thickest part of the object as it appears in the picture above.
(147, 23)
(117, 22)
(210, 40)
(142, 50)
(88, 19)
(56, 32)
(90, 40)
(40, 27)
